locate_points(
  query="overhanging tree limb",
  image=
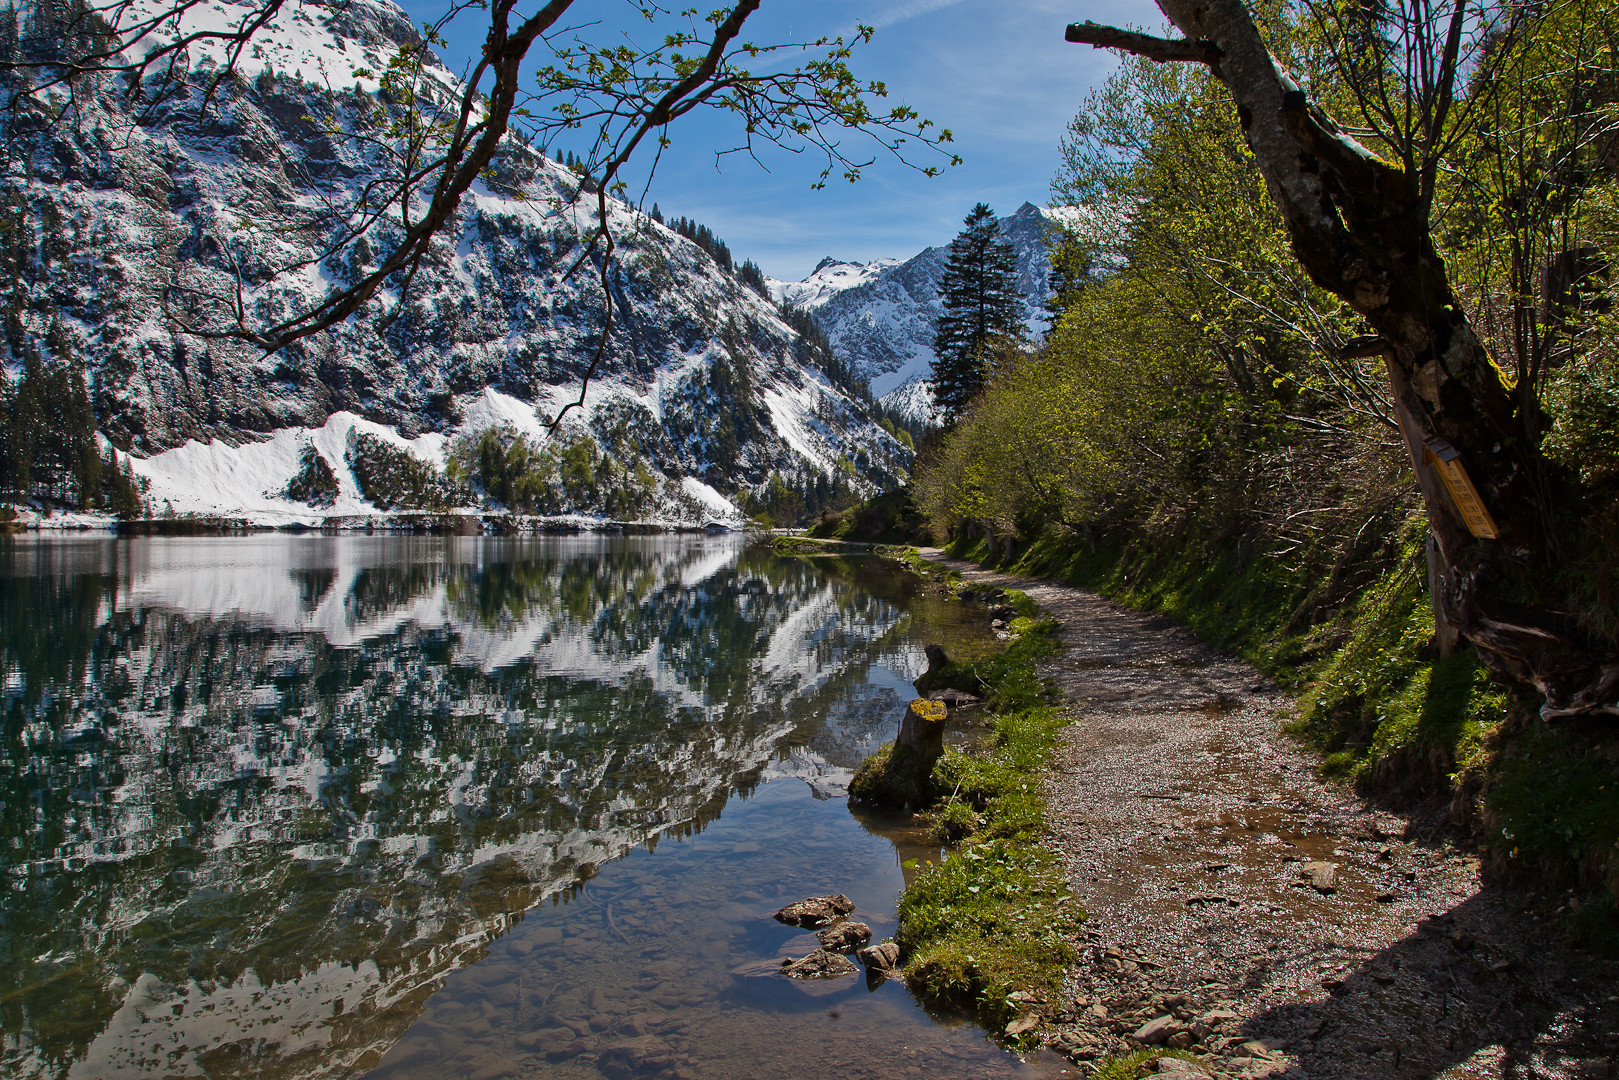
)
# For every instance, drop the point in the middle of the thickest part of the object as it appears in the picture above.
(1163, 50)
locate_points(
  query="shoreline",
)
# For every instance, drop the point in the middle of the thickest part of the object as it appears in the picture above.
(452, 523)
(1248, 914)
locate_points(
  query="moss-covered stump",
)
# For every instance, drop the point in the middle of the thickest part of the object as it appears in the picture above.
(899, 775)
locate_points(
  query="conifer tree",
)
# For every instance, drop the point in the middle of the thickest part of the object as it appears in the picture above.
(982, 311)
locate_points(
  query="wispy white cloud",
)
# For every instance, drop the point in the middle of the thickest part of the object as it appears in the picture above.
(908, 9)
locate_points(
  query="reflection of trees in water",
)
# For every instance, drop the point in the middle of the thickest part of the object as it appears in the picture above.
(219, 800)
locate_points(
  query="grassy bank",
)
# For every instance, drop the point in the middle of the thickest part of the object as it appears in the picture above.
(1384, 710)
(988, 929)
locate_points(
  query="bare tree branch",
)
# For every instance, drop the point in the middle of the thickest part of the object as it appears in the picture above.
(1163, 50)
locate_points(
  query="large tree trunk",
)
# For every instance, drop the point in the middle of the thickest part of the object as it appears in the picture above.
(1360, 228)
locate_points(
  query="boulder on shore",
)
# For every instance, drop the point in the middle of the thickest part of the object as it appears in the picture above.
(1156, 1031)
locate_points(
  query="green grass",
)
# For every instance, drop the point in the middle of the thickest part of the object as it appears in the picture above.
(1009, 682)
(995, 793)
(1136, 1065)
(799, 545)
(995, 916)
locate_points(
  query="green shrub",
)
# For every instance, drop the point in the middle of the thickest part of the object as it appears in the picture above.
(315, 483)
(394, 479)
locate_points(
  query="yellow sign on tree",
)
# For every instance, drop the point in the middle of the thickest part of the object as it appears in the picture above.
(1447, 462)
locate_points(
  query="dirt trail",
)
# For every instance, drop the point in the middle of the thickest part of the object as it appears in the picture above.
(1203, 846)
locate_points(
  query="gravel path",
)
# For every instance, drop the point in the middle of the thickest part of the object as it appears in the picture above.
(1280, 923)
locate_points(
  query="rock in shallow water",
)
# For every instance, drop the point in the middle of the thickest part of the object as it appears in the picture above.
(844, 936)
(815, 911)
(880, 958)
(634, 1057)
(820, 964)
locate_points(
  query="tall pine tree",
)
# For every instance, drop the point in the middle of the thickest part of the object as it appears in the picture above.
(982, 311)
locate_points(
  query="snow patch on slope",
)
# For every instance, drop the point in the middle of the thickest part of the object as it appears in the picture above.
(216, 479)
(305, 41)
(249, 482)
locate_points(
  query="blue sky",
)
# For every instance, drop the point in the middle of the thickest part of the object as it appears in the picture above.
(998, 74)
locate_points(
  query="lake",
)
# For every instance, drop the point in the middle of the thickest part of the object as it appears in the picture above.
(310, 806)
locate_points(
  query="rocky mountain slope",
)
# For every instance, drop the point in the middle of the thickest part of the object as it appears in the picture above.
(111, 217)
(880, 315)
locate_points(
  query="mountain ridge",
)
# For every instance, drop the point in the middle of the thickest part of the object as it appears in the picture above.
(701, 378)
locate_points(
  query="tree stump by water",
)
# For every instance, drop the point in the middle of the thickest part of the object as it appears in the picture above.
(921, 734)
(899, 776)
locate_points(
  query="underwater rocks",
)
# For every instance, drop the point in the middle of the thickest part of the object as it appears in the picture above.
(837, 935)
(821, 964)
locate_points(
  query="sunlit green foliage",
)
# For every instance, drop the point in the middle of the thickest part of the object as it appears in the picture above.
(995, 916)
(1183, 386)
(1190, 441)
(566, 473)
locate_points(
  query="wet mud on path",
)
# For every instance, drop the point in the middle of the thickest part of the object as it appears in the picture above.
(1274, 923)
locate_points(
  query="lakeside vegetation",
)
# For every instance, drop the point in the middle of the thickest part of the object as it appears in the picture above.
(1385, 712)
(989, 928)
(1199, 437)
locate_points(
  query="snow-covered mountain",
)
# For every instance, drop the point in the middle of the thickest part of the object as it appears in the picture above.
(126, 213)
(880, 315)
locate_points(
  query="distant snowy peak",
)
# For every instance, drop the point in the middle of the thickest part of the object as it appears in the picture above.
(830, 277)
(880, 315)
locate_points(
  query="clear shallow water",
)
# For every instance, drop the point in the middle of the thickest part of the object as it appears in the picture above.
(310, 806)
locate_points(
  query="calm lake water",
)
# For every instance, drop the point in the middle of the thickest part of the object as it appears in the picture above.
(288, 806)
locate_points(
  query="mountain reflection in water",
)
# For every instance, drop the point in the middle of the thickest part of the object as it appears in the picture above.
(263, 795)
